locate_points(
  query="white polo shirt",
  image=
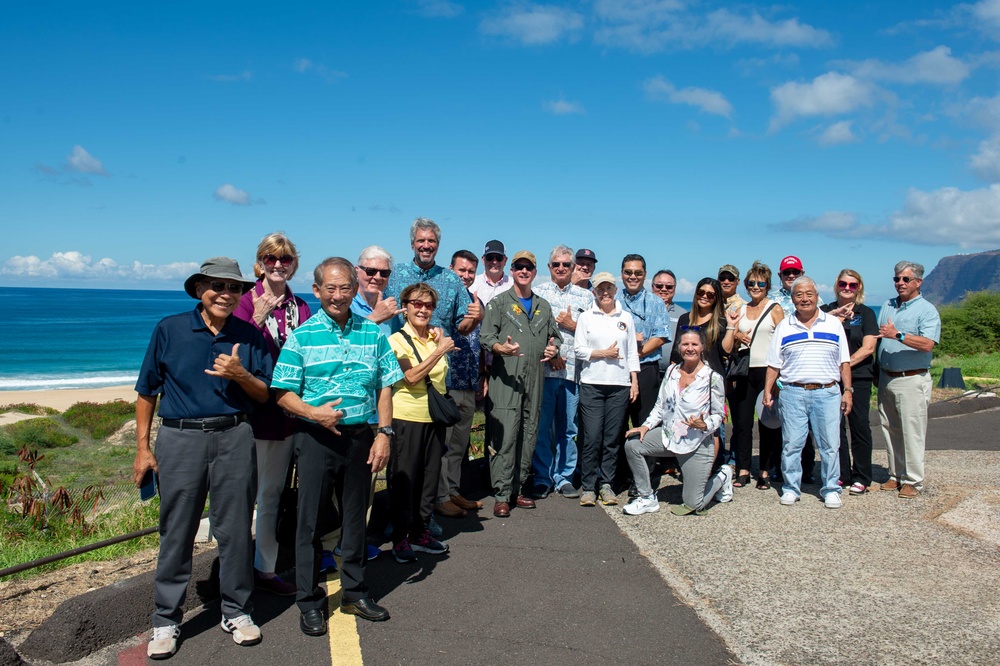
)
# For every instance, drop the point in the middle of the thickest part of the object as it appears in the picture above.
(486, 290)
(809, 355)
(596, 330)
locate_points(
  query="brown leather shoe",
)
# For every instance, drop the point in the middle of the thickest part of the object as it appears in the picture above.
(891, 484)
(525, 502)
(501, 510)
(450, 510)
(463, 503)
(908, 491)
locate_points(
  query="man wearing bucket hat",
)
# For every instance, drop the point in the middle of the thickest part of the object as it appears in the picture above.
(209, 370)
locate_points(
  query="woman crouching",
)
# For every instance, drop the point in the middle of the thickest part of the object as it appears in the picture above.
(688, 409)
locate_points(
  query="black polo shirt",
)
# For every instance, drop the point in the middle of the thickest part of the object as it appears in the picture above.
(864, 323)
(182, 347)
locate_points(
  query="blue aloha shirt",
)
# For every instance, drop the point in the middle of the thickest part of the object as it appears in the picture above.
(453, 297)
(578, 300)
(463, 362)
(651, 318)
(320, 363)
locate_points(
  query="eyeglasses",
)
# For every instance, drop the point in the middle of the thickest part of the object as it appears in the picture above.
(849, 286)
(494, 257)
(220, 287)
(726, 277)
(371, 272)
(755, 283)
(523, 267)
(628, 273)
(791, 272)
(906, 279)
(561, 264)
(663, 287)
(703, 293)
(420, 305)
(271, 259)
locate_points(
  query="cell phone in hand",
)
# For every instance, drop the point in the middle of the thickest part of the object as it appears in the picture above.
(147, 490)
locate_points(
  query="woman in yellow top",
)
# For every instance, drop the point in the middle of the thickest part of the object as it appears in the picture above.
(418, 442)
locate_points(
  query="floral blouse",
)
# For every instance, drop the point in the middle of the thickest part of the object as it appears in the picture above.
(704, 395)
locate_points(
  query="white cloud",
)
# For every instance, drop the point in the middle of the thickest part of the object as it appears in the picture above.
(708, 101)
(838, 224)
(986, 161)
(533, 24)
(561, 107)
(79, 266)
(82, 161)
(439, 8)
(827, 95)
(936, 66)
(245, 75)
(986, 14)
(685, 287)
(837, 134)
(236, 196)
(755, 29)
(303, 65)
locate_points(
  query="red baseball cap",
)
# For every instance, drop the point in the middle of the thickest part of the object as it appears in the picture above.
(790, 261)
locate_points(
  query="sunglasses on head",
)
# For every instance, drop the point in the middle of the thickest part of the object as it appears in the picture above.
(756, 283)
(663, 287)
(685, 329)
(791, 272)
(419, 305)
(523, 267)
(219, 287)
(849, 286)
(906, 279)
(272, 259)
(381, 272)
(560, 264)
(493, 257)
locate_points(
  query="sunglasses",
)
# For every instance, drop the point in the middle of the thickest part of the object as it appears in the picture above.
(561, 264)
(420, 305)
(271, 259)
(219, 287)
(906, 279)
(381, 272)
(755, 283)
(628, 273)
(726, 277)
(690, 328)
(849, 286)
(493, 257)
(706, 294)
(523, 267)
(663, 287)
(791, 272)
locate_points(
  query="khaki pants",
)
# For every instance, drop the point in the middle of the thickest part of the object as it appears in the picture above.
(902, 409)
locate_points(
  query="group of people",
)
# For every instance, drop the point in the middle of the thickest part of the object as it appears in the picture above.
(583, 385)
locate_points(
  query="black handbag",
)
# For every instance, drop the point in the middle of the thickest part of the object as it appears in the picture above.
(442, 408)
(740, 367)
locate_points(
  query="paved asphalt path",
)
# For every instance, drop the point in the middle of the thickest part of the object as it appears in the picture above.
(557, 584)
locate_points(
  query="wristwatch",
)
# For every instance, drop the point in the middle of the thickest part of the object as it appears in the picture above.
(850, 388)
(900, 336)
(386, 430)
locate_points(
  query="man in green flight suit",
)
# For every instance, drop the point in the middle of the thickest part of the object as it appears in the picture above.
(522, 335)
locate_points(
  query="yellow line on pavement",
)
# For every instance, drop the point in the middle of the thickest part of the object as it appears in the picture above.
(342, 629)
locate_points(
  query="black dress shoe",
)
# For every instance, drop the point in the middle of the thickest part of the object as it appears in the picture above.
(366, 609)
(312, 623)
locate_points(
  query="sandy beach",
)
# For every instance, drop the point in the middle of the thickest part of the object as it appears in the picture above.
(63, 399)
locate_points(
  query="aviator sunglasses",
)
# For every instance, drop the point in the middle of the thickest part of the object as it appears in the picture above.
(271, 259)
(849, 286)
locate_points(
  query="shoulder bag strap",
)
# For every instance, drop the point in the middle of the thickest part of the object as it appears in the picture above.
(406, 336)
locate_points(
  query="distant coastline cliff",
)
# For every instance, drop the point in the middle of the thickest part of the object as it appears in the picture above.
(960, 273)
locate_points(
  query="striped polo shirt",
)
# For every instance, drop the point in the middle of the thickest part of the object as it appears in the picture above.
(809, 355)
(320, 363)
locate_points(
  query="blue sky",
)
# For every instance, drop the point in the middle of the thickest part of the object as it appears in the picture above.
(139, 139)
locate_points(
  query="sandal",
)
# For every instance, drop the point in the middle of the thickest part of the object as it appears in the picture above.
(741, 480)
(763, 483)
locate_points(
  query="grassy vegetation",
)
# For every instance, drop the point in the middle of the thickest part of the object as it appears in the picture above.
(981, 369)
(100, 420)
(28, 408)
(971, 327)
(41, 433)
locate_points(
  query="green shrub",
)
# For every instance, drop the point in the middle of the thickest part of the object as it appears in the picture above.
(972, 326)
(38, 433)
(100, 420)
(28, 408)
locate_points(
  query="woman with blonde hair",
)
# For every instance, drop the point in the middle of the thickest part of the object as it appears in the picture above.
(275, 311)
(861, 327)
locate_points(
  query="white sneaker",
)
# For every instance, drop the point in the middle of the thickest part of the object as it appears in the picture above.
(725, 493)
(641, 505)
(833, 501)
(163, 643)
(788, 498)
(244, 631)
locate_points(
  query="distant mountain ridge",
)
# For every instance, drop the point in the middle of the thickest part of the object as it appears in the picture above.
(961, 273)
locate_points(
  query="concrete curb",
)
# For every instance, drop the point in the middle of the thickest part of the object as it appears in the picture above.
(108, 615)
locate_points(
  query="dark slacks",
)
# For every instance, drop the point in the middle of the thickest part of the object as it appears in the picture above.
(742, 401)
(860, 471)
(328, 462)
(602, 414)
(414, 475)
(191, 464)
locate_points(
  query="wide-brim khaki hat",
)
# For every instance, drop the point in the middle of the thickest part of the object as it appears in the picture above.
(219, 268)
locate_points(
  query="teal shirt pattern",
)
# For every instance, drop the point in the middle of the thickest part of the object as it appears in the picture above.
(321, 363)
(453, 297)
(916, 316)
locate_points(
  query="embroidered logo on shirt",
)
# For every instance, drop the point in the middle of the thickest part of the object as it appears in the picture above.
(621, 326)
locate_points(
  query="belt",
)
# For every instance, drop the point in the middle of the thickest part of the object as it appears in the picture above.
(905, 373)
(812, 387)
(210, 424)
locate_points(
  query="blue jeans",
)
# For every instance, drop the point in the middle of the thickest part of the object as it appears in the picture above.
(799, 409)
(554, 460)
